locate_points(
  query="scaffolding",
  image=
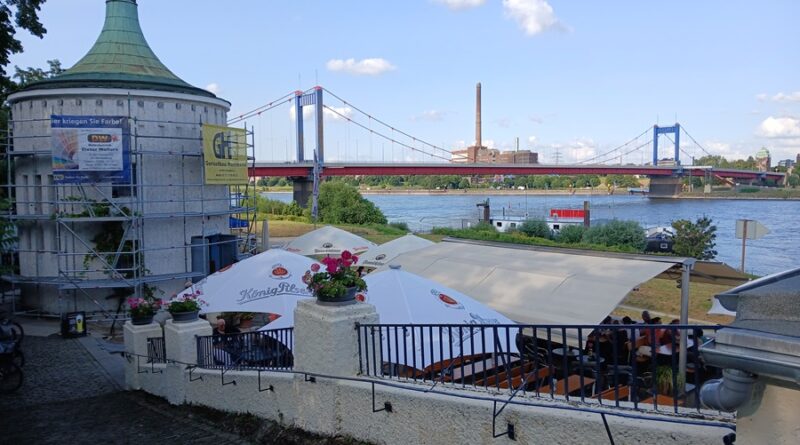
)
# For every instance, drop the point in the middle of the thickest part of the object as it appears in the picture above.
(91, 238)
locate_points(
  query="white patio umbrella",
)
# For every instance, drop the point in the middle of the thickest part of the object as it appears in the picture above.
(401, 297)
(270, 282)
(329, 240)
(386, 252)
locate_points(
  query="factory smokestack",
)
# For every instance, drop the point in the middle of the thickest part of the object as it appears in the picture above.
(478, 115)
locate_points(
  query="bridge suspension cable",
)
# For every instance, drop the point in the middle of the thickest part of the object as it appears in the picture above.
(388, 138)
(266, 107)
(695, 141)
(394, 129)
(603, 155)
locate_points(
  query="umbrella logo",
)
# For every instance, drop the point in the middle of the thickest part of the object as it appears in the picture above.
(361, 298)
(279, 272)
(447, 300)
(380, 257)
(327, 245)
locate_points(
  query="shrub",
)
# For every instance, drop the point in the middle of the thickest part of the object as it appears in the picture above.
(571, 234)
(695, 239)
(535, 227)
(340, 203)
(399, 225)
(617, 233)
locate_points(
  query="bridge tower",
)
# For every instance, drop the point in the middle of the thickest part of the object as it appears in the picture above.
(676, 131)
(308, 187)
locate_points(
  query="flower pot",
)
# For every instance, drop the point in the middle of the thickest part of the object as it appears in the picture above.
(184, 317)
(349, 297)
(139, 320)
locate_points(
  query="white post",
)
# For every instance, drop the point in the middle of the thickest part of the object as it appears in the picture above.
(136, 344)
(180, 341)
(687, 269)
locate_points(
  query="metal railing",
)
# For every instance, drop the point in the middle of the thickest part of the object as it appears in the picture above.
(156, 350)
(630, 365)
(270, 349)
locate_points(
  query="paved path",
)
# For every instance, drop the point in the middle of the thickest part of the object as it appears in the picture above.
(67, 397)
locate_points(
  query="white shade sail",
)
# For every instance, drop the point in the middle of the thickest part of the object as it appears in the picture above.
(329, 240)
(386, 252)
(718, 309)
(269, 282)
(532, 286)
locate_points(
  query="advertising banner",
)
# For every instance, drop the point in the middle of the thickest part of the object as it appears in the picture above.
(89, 149)
(225, 155)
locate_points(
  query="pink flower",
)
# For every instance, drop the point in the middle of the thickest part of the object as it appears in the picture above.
(355, 259)
(331, 264)
(346, 255)
(315, 267)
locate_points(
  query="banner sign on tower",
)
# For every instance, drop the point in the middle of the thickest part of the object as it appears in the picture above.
(225, 155)
(88, 149)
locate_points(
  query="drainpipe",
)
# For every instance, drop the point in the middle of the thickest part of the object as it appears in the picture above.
(730, 392)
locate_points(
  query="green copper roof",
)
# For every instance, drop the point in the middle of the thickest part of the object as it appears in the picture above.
(120, 58)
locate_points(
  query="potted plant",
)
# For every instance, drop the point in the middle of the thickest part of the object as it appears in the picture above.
(185, 308)
(143, 309)
(246, 320)
(338, 283)
(664, 382)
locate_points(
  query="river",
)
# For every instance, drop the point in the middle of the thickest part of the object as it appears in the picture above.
(777, 251)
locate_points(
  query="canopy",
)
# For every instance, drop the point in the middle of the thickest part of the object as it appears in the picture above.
(403, 298)
(536, 286)
(329, 240)
(718, 309)
(271, 281)
(383, 254)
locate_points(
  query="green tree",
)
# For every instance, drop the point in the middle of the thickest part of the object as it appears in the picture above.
(535, 227)
(30, 75)
(464, 183)
(617, 233)
(340, 203)
(695, 239)
(793, 180)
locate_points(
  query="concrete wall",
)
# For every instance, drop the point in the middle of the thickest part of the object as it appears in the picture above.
(165, 123)
(345, 407)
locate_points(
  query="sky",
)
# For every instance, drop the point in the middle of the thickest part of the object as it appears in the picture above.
(570, 79)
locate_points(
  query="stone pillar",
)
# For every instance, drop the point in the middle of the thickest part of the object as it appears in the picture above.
(136, 344)
(770, 416)
(664, 187)
(181, 343)
(325, 338)
(325, 342)
(303, 188)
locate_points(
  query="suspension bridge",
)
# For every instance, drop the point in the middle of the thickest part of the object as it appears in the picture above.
(665, 173)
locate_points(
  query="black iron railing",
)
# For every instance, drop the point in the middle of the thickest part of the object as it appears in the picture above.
(631, 365)
(270, 349)
(156, 350)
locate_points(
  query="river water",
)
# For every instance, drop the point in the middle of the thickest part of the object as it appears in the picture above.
(777, 251)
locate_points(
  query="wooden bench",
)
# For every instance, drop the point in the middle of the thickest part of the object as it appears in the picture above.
(517, 381)
(614, 394)
(573, 382)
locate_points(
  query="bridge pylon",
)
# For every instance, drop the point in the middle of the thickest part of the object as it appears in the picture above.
(676, 131)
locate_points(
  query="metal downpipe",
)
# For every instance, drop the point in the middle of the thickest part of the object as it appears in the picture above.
(730, 392)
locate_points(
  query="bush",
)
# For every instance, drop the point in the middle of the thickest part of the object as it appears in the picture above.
(617, 233)
(749, 190)
(571, 234)
(340, 203)
(695, 239)
(536, 228)
(399, 225)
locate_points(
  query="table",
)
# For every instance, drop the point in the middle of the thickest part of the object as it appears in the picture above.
(663, 349)
(572, 382)
(562, 352)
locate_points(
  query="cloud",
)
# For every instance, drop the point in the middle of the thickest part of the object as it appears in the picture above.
(791, 97)
(328, 115)
(762, 97)
(364, 67)
(213, 88)
(536, 119)
(780, 127)
(532, 140)
(458, 5)
(533, 16)
(429, 116)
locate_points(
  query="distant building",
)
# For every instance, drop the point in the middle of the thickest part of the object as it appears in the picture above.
(485, 155)
(787, 163)
(763, 160)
